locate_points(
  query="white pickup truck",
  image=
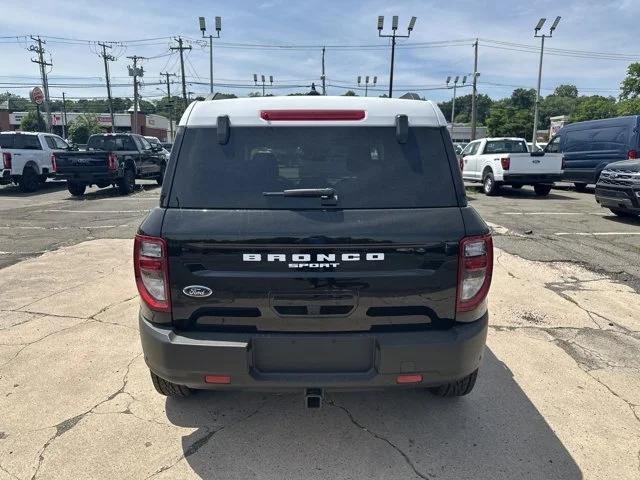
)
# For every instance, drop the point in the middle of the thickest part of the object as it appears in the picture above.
(27, 158)
(507, 161)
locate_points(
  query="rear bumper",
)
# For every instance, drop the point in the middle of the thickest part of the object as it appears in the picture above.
(531, 178)
(89, 177)
(273, 361)
(618, 197)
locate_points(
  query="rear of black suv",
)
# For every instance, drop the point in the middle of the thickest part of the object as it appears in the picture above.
(304, 256)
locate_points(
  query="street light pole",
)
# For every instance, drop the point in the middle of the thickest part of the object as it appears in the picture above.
(393, 36)
(453, 103)
(255, 81)
(537, 102)
(203, 28)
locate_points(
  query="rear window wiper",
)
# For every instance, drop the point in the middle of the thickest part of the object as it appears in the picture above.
(304, 192)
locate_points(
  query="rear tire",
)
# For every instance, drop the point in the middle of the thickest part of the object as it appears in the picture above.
(580, 187)
(542, 190)
(169, 389)
(76, 189)
(458, 388)
(127, 183)
(29, 181)
(623, 213)
(489, 185)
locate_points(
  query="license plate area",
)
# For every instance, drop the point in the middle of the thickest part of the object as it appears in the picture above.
(313, 354)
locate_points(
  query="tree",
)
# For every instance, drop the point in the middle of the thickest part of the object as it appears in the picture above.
(508, 121)
(349, 93)
(630, 87)
(593, 108)
(566, 90)
(554, 105)
(628, 107)
(463, 108)
(33, 122)
(83, 127)
(523, 98)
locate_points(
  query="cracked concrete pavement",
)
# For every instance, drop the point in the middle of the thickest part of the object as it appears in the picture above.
(557, 396)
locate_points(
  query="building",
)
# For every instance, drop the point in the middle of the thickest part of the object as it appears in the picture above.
(148, 124)
(461, 132)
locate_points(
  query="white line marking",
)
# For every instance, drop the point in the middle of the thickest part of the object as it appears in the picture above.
(585, 234)
(95, 211)
(541, 213)
(89, 227)
(500, 230)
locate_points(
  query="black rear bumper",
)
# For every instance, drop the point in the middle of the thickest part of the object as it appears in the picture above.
(89, 178)
(531, 178)
(621, 197)
(267, 361)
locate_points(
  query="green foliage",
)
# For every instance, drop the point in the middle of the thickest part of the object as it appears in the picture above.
(593, 108)
(566, 90)
(32, 122)
(628, 107)
(630, 87)
(463, 108)
(349, 93)
(83, 127)
(523, 98)
(509, 121)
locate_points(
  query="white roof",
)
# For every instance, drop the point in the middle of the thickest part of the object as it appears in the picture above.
(378, 111)
(491, 139)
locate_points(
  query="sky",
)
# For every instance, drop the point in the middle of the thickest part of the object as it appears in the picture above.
(347, 28)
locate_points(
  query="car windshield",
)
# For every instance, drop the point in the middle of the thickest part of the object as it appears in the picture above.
(506, 146)
(366, 167)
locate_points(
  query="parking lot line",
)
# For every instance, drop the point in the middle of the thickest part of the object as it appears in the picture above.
(589, 234)
(547, 213)
(55, 210)
(88, 227)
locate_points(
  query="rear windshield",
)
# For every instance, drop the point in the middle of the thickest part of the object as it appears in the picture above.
(111, 143)
(506, 146)
(366, 166)
(19, 141)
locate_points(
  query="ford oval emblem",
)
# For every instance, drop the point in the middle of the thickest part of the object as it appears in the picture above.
(197, 291)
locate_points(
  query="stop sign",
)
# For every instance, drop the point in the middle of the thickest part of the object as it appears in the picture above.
(36, 95)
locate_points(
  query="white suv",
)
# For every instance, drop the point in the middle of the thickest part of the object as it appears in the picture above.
(28, 158)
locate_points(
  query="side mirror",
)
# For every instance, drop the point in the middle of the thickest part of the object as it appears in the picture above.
(402, 128)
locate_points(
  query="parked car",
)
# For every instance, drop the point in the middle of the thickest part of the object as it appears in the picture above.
(155, 142)
(588, 147)
(618, 188)
(313, 243)
(507, 161)
(26, 158)
(167, 146)
(111, 159)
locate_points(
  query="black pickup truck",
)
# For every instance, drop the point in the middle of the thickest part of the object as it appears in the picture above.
(111, 159)
(313, 243)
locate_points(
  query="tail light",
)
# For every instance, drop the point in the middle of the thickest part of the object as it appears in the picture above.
(311, 115)
(6, 160)
(151, 272)
(112, 161)
(54, 163)
(632, 154)
(506, 163)
(475, 267)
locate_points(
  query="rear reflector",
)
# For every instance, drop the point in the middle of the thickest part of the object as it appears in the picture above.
(311, 115)
(218, 379)
(411, 378)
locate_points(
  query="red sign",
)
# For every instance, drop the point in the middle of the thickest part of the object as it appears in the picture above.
(36, 95)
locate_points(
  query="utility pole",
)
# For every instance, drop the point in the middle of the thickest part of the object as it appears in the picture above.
(203, 28)
(324, 77)
(43, 73)
(453, 103)
(474, 95)
(182, 48)
(542, 37)
(135, 72)
(108, 58)
(393, 36)
(64, 116)
(167, 75)
(366, 83)
(255, 81)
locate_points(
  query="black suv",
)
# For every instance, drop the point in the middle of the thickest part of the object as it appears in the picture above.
(313, 243)
(618, 188)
